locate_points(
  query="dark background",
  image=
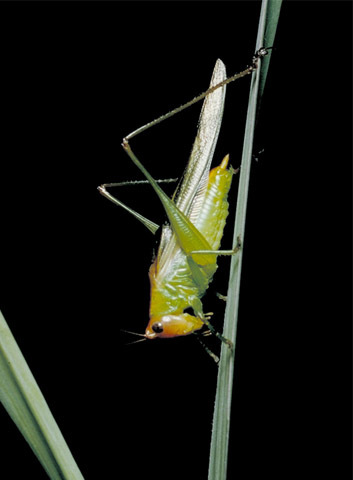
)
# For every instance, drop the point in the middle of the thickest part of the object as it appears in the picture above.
(76, 78)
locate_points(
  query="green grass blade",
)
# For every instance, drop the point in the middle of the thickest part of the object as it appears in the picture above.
(221, 420)
(271, 21)
(24, 402)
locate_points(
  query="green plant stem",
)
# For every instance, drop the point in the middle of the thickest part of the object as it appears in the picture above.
(24, 402)
(221, 420)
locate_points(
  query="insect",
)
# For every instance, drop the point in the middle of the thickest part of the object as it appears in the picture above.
(187, 256)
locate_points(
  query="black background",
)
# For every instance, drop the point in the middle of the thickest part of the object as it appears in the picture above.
(76, 78)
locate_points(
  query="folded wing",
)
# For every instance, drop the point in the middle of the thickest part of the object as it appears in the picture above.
(190, 194)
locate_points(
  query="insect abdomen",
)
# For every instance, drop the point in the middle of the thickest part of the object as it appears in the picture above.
(214, 211)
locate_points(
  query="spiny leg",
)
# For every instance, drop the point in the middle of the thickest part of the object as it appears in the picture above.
(152, 227)
(136, 182)
(210, 353)
(216, 333)
(262, 52)
(196, 305)
(219, 252)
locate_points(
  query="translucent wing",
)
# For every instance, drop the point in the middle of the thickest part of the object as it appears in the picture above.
(191, 192)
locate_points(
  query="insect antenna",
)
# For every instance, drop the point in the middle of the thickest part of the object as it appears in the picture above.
(136, 334)
(132, 333)
(136, 341)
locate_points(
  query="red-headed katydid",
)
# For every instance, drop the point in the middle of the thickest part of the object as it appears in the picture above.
(187, 256)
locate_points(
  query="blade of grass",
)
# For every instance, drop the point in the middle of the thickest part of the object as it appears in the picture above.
(221, 419)
(24, 402)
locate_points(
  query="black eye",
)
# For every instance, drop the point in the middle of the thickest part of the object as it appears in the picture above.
(157, 327)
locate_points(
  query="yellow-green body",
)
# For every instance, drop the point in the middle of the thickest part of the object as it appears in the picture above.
(187, 255)
(182, 281)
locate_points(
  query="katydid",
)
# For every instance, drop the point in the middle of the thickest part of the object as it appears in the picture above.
(187, 256)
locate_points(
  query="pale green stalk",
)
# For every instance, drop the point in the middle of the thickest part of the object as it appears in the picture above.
(24, 402)
(221, 420)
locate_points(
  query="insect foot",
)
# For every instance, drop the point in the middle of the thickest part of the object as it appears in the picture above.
(234, 171)
(261, 52)
(237, 246)
(224, 298)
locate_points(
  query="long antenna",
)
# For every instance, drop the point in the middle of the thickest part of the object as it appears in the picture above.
(133, 333)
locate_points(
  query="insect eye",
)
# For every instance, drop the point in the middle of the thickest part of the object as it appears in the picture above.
(157, 327)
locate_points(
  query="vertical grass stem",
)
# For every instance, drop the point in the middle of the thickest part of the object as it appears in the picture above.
(269, 15)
